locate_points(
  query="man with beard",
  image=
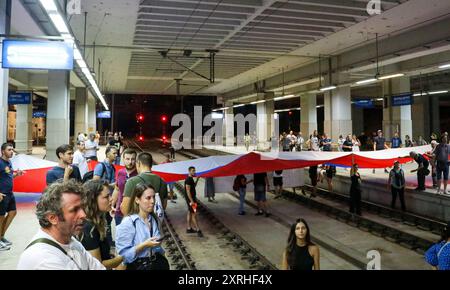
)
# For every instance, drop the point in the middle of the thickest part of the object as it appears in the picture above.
(61, 216)
(65, 170)
(129, 160)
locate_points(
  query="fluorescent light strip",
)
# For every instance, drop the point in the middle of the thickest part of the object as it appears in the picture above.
(258, 102)
(284, 97)
(61, 25)
(445, 66)
(366, 81)
(328, 88)
(437, 92)
(391, 76)
(237, 106)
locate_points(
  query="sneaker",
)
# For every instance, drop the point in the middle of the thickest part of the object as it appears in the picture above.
(190, 231)
(6, 242)
(259, 213)
(241, 213)
(200, 234)
(438, 191)
(210, 200)
(4, 247)
(267, 214)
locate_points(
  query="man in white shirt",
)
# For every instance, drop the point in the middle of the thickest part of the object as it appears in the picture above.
(79, 159)
(300, 142)
(61, 216)
(91, 148)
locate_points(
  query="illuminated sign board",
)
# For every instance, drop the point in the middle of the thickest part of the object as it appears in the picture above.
(104, 115)
(402, 99)
(48, 55)
(19, 98)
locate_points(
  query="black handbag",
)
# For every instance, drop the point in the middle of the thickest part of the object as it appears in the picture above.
(156, 262)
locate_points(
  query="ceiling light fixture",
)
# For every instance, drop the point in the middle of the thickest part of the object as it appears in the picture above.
(61, 25)
(329, 88)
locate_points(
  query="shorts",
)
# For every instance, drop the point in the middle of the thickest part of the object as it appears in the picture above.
(8, 204)
(442, 169)
(260, 193)
(329, 173)
(190, 209)
(278, 181)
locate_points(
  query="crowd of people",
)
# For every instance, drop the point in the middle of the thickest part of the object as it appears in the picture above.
(78, 206)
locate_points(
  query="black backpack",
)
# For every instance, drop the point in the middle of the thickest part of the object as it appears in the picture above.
(90, 174)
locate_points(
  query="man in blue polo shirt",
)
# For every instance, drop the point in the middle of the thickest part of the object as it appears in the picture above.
(7, 199)
(396, 141)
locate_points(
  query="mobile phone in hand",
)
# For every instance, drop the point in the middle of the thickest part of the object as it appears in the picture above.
(161, 239)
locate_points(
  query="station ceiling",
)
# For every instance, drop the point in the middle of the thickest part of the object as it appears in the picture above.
(255, 39)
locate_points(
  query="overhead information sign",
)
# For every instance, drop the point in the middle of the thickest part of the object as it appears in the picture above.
(364, 103)
(402, 99)
(19, 98)
(48, 55)
(104, 115)
(39, 114)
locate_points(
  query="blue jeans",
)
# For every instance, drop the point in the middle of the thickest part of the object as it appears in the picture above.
(241, 199)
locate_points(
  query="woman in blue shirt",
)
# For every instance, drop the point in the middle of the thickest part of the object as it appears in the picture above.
(438, 256)
(138, 238)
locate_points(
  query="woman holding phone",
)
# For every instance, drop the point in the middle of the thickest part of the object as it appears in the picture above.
(138, 238)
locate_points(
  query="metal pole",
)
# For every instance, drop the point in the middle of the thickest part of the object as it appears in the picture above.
(112, 113)
(179, 94)
(85, 31)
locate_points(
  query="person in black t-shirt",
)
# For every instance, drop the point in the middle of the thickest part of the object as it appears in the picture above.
(97, 204)
(379, 143)
(65, 170)
(422, 170)
(191, 200)
(260, 182)
(117, 142)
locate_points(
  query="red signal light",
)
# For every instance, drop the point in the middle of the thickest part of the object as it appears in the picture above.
(164, 118)
(141, 138)
(164, 138)
(290, 113)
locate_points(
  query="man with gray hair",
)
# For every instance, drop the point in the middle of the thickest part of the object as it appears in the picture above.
(61, 217)
(91, 148)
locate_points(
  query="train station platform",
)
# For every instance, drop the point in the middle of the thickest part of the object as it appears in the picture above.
(374, 187)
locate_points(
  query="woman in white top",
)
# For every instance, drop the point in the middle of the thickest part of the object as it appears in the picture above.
(356, 143)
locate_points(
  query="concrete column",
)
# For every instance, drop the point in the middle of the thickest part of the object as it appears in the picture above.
(229, 124)
(338, 112)
(92, 115)
(308, 114)
(81, 111)
(421, 121)
(265, 129)
(396, 118)
(24, 129)
(58, 112)
(5, 22)
(435, 116)
(357, 120)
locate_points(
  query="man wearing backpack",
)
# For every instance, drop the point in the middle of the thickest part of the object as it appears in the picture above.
(65, 170)
(422, 170)
(144, 164)
(442, 163)
(397, 184)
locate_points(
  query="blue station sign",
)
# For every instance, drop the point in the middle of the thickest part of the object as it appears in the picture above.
(39, 114)
(19, 98)
(45, 55)
(402, 99)
(104, 115)
(364, 103)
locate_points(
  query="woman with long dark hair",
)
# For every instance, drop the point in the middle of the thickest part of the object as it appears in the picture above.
(138, 237)
(438, 256)
(300, 253)
(97, 204)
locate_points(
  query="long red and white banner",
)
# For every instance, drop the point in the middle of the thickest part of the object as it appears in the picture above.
(229, 165)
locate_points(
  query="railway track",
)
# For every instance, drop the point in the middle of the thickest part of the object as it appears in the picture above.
(412, 231)
(178, 251)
